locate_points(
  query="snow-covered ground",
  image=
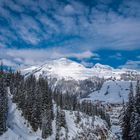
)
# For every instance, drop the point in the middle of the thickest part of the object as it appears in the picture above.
(17, 126)
(113, 92)
(115, 121)
(85, 124)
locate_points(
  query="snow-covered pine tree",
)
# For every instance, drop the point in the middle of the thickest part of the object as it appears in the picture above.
(135, 119)
(137, 98)
(3, 105)
(61, 123)
(126, 126)
(78, 117)
(58, 126)
(46, 110)
(8, 76)
(32, 98)
(1, 69)
(135, 126)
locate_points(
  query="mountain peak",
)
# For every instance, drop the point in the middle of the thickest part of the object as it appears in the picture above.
(100, 66)
(63, 59)
(67, 62)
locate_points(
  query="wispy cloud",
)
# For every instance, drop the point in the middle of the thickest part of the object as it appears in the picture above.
(69, 26)
(96, 27)
(117, 56)
(38, 56)
(131, 64)
(8, 62)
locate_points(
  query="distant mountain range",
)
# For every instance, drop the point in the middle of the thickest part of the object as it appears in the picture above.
(67, 69)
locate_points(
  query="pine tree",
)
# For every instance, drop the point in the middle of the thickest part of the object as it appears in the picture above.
(8, 77)
(78, 117)
(137, 98)
(46, 110)
(135, 126)
(61, 123)
(1, 69)
(126, 127)
(58, 126)
(3, 106)
(135, 120)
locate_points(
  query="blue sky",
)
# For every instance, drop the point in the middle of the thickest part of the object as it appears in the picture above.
(88, 31)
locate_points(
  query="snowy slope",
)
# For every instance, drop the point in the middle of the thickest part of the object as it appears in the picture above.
(68, 69)
(18, 130)
(115, 121)
(86, 126)
(113, 92)
(62, 68)
(106, 71)
(17, 126)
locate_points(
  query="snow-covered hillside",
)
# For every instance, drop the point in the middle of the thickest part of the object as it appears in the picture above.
(113, 91)
(68, 69)
(17, 125)
(19, 129)
(101, 83)
(62, 68)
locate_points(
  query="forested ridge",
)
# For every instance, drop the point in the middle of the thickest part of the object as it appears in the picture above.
(36, 101)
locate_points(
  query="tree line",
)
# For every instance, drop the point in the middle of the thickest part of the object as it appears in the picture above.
(131, 116)
(3, 102)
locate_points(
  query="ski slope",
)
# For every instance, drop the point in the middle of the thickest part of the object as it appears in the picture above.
(113, 92)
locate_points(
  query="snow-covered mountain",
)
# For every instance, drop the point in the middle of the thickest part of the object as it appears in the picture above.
(61, 68)
(68, 69)
(101, 82)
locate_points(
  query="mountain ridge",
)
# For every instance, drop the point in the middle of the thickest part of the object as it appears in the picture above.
(68, 69)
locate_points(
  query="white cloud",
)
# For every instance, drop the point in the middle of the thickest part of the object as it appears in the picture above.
(96, 28)
(47, 53)
(117, 56)
(13, 6)
(86, 54)
(9, 63)
(69, 9)
(87, 64)
(130, 8)
(131, 64)
(74, 29)
(39, 56)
